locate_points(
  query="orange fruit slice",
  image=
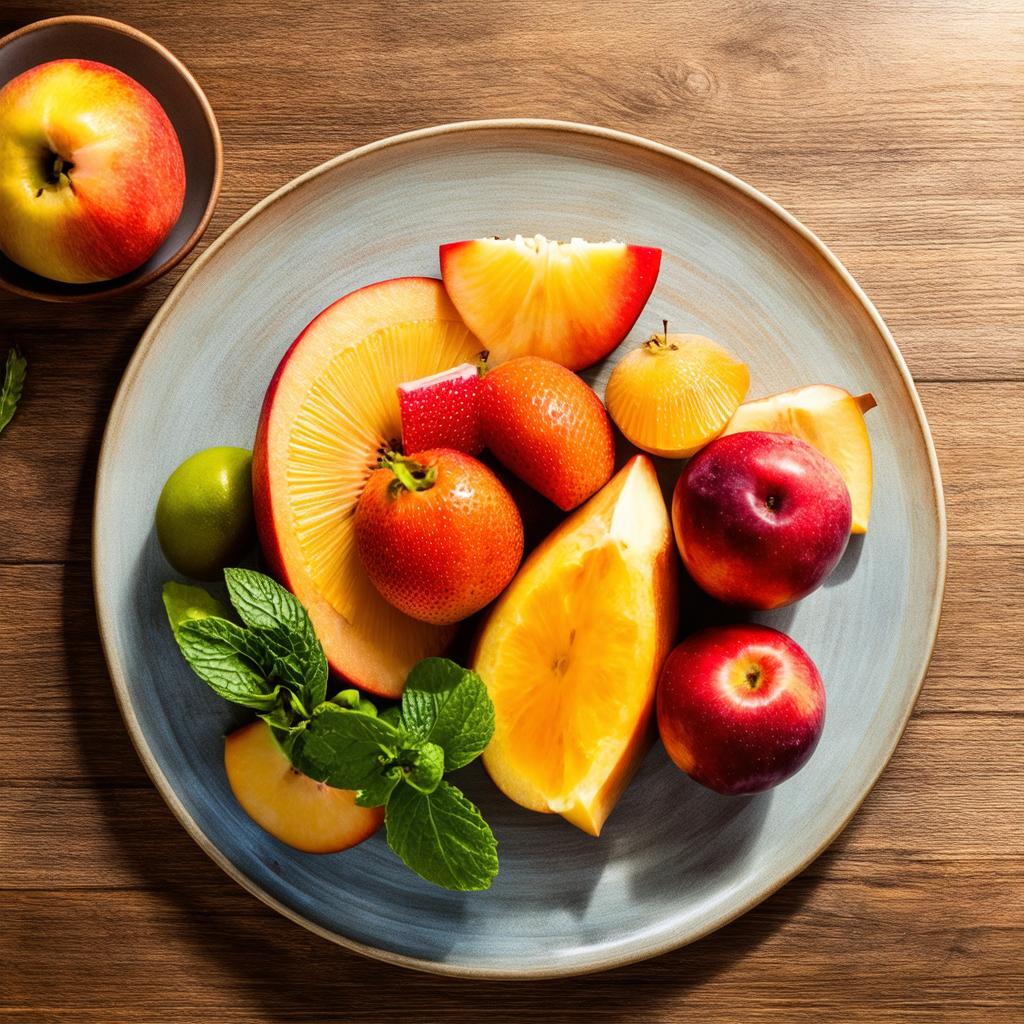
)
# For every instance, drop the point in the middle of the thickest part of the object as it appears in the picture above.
(829, 419)
(570, 654)
(292, 807)
(675, 393)
(571, 302)
(331, 405)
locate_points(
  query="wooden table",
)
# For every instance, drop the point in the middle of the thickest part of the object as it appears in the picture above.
(894, 130)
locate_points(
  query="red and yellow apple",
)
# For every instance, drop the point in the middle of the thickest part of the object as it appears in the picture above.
(760, 519)
(92, 177)
(740, 708)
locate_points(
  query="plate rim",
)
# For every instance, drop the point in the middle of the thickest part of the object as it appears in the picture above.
(105, 614)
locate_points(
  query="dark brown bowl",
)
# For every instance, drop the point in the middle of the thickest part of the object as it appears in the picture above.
(155, 67)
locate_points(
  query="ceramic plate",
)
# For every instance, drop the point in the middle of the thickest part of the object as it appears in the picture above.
(675, 861)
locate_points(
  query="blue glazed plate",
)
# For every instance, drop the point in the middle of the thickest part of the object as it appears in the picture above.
(675, 861)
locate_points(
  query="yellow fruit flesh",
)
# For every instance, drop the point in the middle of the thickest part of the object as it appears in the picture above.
(335, 407)
(535, 292)
(675, 393)
(829, 419)
(570, 654)
(305, 814)
(351, 408)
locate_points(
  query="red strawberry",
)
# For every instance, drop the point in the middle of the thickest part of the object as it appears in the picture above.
(438, 534)
(440, 411)
(548, 427)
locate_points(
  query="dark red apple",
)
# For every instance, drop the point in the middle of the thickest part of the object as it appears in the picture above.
(760, 519)
(740, 708)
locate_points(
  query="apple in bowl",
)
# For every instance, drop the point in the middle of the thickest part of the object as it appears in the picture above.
(92, 177)
(760, 519)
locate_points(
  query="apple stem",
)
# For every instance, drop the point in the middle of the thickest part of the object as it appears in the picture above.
(481, 362)
(409, 473)
(659, 342)
(865, 402)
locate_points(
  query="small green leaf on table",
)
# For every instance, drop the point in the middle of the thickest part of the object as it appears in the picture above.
(15, 371)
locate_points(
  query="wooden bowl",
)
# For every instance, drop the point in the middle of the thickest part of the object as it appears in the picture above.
(156, 68)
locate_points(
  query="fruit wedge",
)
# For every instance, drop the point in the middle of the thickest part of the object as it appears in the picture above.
(827, 418)
(572, 302)
(572, 650)
(675, 393)
(442, 411)
(292, 807)
(332, 404)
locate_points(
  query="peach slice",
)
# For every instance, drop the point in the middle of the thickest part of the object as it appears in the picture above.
(292, 807)
(827, 418)
(571, 652)
(572, 302)
(330, 407)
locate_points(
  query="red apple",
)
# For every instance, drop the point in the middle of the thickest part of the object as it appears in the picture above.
(740, 708)
(91, 173)
(760, 519)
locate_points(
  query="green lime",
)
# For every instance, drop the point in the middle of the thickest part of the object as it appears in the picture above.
(204, 518)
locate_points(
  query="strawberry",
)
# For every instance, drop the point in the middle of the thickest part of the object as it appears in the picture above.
(548, 427)
(440, 411)
(438, 534)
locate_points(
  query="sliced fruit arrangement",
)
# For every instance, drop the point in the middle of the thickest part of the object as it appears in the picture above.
(827, 418)
(441, 411)
(548, 427)
(386, 530)
(330, 408)
(438, 534)
(571, 652)
(675, 393)
(298, 810)
(572, 302)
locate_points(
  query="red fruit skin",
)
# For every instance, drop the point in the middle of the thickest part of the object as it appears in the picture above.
(640, 268)
(548, 427)
(760, 519)
(730, 734)
(442, 414)
(440, 554)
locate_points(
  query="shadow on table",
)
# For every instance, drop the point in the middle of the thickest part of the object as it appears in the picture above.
(276, 968)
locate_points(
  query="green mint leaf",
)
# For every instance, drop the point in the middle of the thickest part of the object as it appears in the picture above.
(284, 726)
(15, 371)
(442, 837)
(186, 604)
(345, 748)
(448, 705)
(263, 604)
(426, 767)
(378, 787)
(354, 701)
(393, 716)
(225, 657)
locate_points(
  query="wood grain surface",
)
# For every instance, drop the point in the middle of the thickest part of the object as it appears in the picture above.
(894, 130)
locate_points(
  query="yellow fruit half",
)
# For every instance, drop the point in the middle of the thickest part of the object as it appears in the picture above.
(827, 418)
(675, 393)
(572, 650)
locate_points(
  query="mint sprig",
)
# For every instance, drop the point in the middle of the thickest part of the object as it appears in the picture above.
(15, 371)
(274, 664)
